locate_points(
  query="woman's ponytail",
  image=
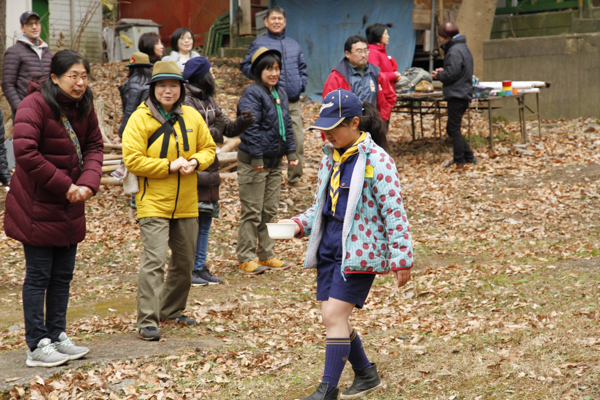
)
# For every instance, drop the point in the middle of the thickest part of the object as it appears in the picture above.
(371, 121)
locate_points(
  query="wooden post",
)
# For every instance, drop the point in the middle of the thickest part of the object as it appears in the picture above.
(246, 25)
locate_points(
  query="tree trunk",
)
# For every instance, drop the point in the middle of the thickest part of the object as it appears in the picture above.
(475, 19)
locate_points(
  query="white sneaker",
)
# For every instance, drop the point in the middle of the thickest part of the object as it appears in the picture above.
(66, 347)
(45, 355)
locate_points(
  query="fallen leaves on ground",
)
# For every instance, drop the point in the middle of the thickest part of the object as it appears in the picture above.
(511, 218)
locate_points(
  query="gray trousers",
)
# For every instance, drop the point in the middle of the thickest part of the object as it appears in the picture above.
(259, 194)
(160, 298)
(295, 173)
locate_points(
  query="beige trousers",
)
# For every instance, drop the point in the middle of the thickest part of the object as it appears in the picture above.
(160, 298)
(259, 194)
(295, 173)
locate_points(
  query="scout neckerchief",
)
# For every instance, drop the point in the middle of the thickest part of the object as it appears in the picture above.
(279, 113)
(74, 139)
(334, 187)
(166, 116)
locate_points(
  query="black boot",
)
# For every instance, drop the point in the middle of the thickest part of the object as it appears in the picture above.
(322, 394)
(365, 380)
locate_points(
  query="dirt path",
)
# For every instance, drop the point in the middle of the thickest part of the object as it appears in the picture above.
(14, 371)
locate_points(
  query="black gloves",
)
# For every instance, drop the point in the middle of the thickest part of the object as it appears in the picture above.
(247, 118)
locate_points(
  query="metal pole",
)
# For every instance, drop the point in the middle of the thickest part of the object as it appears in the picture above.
(580, 9)
(432, 36)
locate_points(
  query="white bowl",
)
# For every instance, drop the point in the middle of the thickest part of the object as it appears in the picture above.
(281, 231)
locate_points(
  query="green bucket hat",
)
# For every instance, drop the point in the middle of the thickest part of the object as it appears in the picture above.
(164, 70)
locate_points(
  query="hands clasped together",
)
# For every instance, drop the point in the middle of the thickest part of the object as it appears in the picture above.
(184, 166)
(79, 193)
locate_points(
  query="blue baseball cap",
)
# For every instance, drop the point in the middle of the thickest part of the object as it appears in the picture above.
(337, 105)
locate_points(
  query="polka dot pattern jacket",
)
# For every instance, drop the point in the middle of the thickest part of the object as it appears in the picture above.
(376, 237)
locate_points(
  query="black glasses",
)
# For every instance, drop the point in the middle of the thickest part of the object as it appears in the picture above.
(76, 78)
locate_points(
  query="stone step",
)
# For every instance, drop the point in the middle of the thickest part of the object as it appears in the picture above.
(232, 52)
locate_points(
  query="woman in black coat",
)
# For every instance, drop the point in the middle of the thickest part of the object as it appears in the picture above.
(199, 93)
(260, 152)
(140, 72)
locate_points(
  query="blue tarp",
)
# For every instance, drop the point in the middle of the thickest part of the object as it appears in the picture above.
(322, 27)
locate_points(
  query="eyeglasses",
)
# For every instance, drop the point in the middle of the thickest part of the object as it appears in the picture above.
(76, 78)
(32, 24)
(362, 51)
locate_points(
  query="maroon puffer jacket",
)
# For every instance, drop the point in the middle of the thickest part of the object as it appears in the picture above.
(21, 64)
(37, 210)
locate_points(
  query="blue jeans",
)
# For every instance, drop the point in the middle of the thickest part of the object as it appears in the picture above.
(48, 275)
(204, 222)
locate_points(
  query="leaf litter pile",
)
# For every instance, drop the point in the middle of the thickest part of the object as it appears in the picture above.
(502, 304)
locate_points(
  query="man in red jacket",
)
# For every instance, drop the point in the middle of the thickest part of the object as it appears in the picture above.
(356, 74)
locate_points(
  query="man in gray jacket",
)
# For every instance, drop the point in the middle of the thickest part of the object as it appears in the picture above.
(457, 77)
(29, 58)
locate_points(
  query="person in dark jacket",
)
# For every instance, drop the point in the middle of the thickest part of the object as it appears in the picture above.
(30, 57)
(457, 77)
(58, 148)
(4, 170)
(140, 73)
(293, 80)
(200, 94)
(259, 157)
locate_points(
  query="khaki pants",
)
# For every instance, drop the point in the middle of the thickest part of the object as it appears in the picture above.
(295, 173)
(159, 298)
(259, 194)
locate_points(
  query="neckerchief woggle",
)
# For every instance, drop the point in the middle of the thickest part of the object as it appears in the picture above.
(334, 185)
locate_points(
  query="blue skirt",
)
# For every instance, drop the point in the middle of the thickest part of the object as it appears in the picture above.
(330, 282)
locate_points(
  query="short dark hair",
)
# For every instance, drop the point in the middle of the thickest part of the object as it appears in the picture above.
(62, 61)
(152, 96)
(375, 32)
(354, 39)
(264, 62)
(275, 9)
(177, 35)
(147, 42)
(448, 30)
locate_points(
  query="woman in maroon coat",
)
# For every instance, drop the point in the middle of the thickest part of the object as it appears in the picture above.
(58, 148)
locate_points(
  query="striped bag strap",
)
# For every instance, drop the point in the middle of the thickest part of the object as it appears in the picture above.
(74, 139)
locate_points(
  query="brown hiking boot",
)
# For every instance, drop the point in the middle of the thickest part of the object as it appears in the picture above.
(251, 268)
(274, 263)
(299, 185)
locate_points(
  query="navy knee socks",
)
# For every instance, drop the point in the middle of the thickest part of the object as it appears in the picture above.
(336, 355)
(357, 356)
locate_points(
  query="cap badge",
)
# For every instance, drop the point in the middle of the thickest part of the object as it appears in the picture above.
(324, 106)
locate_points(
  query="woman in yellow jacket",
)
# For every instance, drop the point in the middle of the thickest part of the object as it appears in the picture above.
(164, 144)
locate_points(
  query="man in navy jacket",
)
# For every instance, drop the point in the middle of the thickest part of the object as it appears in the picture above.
(293, 79)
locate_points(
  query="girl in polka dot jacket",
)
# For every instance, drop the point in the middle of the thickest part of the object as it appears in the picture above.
(358, 229)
